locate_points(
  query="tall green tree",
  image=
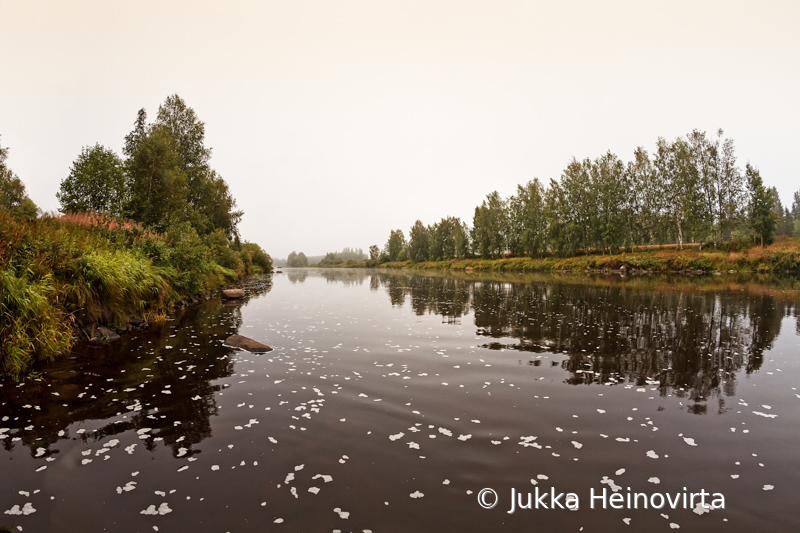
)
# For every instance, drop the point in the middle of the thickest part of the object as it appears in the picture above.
(528, 220)
(13, 196)
(579, 206)
(96, 182)
(796, 212)
(374, 252)
(157, 187)
(679, 178)
(785, 223)
(646, 198)
(761, 216)
(610, 187)
(728, 187)
(418, 242)
(395, 246)
(489, 226)
(206, 201)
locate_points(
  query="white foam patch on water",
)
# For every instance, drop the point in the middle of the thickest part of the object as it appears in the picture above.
(769, 487)
(654, 480)
(464, 437)
(765, 415)
(313, 490)
(690, 441)
(342, 514)
(26, 509)
(577, 444)
(651, 454)
(416, 494)
(162, 510)
(396, 436)
(620, 471)
(324, 477)
(129, 486)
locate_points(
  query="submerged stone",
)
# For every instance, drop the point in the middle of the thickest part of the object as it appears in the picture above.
(231, 294)
(246, 343)
(102, 335)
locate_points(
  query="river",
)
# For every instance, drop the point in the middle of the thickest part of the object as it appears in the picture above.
(424, 402)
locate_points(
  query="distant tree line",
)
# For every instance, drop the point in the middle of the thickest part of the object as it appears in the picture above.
(338, 258)
(296, 260)
(689, 190)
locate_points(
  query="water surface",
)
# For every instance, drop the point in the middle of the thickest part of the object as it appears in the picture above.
(391, 400)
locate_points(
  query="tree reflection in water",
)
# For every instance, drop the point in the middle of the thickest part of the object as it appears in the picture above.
(691, 337)
(139, 382)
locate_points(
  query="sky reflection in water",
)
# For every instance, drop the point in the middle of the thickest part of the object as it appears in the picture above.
(391, 400)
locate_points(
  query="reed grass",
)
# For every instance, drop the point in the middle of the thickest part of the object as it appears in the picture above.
(61, 273)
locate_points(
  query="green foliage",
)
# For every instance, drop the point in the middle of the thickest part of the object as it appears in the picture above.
(168, 160)
(448, 239)
(347, 255)
(689, 192)
(96, 182)
(374, 252)
(59, 274)
(528, 222)
(395, 245)
(763, 220)
(13, 196)
(260, 259)
(32, 327)
(418, 242)
(221, 251)
(296, 260)
(157, 187)
(489, 227)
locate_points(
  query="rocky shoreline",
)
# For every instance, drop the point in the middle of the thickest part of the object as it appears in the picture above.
(98, 334)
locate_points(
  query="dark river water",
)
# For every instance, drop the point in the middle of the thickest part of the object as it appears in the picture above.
(392, 401)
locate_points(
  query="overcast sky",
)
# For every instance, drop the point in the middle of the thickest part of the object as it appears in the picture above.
(336, 121)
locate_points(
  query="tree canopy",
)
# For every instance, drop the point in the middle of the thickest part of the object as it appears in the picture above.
(96, 182)
(13, 196)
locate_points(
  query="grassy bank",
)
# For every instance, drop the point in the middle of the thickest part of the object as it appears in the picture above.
(59, 275)
(782, 256)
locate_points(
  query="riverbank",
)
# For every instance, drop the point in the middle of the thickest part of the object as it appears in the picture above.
(64, 279)
(781, 256)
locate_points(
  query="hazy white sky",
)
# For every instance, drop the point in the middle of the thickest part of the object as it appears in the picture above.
(335, 121)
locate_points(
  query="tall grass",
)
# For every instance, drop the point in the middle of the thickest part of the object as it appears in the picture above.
(59, 274)
(31, 326)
